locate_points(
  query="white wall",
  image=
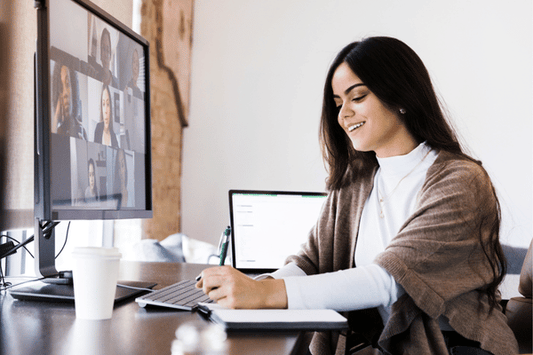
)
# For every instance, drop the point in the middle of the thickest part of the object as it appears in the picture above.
(258, 70)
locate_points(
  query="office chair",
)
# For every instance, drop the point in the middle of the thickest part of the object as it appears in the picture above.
(356, 344)
(363, 334)
(519, 309)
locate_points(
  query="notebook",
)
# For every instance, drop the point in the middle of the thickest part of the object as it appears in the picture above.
(269, 226)
(273, 319)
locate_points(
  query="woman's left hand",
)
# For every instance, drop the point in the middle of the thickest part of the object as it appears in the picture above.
(232, 289)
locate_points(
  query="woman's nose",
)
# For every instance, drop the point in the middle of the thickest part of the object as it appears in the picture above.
(346, 112)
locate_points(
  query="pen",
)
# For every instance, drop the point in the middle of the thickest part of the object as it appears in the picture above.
(202, 310)
(223, 249)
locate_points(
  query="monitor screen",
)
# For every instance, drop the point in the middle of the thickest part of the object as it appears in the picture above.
(96, 151)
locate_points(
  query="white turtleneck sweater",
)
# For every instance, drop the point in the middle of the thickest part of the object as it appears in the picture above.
(397, 182)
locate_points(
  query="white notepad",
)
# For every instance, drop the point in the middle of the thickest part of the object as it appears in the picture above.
(275, 319)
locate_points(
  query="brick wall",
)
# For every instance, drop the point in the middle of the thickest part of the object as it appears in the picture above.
(167, 25)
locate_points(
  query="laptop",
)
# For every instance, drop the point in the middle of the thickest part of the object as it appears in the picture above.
(269, 226)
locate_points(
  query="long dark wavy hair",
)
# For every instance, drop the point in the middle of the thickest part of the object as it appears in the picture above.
(397, 76)
(57, 89)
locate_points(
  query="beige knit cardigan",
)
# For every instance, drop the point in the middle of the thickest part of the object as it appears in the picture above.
(436, 257)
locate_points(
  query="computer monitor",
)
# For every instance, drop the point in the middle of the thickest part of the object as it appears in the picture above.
(92, 122)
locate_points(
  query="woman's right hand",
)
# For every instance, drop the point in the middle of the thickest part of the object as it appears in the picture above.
(232, 289)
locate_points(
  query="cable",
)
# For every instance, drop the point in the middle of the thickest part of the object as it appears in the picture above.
(135, 288)
(47, 233)
(47, 230)
(3, 284)
(8, 285)
(29, 240)
(65, 243)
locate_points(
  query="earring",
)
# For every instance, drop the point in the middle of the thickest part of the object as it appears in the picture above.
(402, 111)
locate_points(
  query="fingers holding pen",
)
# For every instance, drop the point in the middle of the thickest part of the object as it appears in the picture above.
(212, 278)
(225, 285)
(233, 289)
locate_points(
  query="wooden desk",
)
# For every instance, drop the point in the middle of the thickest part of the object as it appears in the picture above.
(51, 328)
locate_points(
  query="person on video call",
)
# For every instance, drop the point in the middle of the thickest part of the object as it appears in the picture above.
(91, 192)
(66, 119)
(106, 76)
(104, 133)
(134, 75)
(120, 182)
(408, 239)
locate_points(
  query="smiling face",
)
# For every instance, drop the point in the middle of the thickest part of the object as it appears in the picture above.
(66, 90)
(370, 125)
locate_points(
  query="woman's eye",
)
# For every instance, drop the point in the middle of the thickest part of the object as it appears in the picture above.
(358, 98)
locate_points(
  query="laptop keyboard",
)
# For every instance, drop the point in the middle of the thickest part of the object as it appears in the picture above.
(182, 295)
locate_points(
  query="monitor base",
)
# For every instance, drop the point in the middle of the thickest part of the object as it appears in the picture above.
(54, 292)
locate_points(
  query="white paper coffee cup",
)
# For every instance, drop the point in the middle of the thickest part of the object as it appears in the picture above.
(95, 274)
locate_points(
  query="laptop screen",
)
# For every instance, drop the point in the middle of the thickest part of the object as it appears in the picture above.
(269, 226)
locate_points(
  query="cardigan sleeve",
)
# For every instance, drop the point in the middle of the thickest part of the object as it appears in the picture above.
(437, 254)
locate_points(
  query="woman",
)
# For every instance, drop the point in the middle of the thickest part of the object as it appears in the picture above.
(408, 239)
(135, 90)
(66, 119)
(121, 179)
(91, 192)
(105, 75)
(103, 132)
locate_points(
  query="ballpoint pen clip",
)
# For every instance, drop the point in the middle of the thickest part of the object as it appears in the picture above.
(223, 238)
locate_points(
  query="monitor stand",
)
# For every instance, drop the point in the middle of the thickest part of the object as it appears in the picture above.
(64, 292)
